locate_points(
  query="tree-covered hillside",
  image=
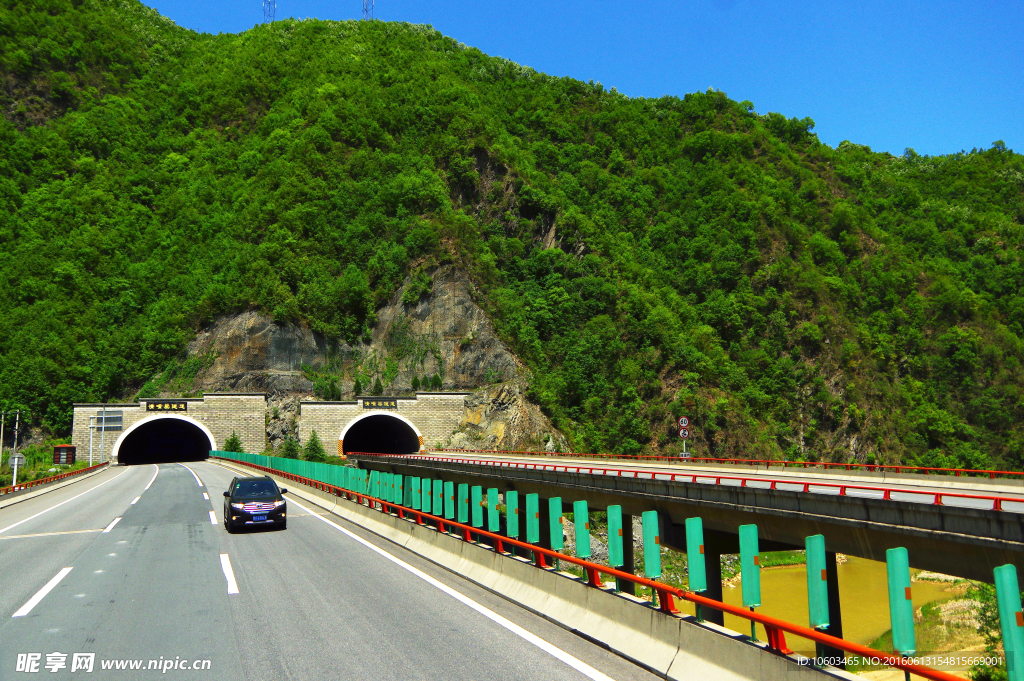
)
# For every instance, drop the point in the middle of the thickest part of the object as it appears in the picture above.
(647, 258)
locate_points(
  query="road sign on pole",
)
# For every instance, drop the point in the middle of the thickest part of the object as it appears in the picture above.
(683, 422)
(684, 433)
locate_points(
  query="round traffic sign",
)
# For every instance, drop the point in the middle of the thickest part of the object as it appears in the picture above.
(684, 433)
(683, 422)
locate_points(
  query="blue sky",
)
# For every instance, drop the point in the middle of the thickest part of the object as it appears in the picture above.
(935, 76)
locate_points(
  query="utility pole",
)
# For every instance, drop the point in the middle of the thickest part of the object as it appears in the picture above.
(92, 429)
(269, 9)
(3, 416)
(368, 10)
(17, 426)
(103, 431)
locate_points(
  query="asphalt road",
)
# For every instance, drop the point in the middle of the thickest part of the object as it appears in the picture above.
(316, 601)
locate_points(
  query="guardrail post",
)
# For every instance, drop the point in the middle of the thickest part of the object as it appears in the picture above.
(750, 571)
(615, 541)
(695, 565)
(493, 519)
(512, 517)
(449, 501)
(1011, 619)
(901, 607)
(581, 521)
(555, 529)
(415, 488)
(476, 506)
(399, 494)
(533, 522)
(463, 504)
(438, 498)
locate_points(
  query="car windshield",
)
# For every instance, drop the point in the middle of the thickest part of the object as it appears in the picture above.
(254, 488)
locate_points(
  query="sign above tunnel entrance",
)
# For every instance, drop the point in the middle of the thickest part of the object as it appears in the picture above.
(379, 403)
(167, 405)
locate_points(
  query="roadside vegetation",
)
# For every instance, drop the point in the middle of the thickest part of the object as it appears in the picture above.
(646, 258)
(39, 463)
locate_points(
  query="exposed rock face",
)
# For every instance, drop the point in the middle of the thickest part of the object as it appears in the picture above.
(251, 353)
(500, 417)
(444, 333)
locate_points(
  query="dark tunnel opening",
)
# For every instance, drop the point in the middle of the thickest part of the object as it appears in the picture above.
(381, 434)
(164, 441)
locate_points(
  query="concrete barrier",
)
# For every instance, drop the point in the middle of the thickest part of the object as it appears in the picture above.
(676, 647)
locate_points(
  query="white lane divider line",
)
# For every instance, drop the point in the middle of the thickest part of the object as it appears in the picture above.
(65, 501)
(225, 565)
(155, 473)
(41, 594)
(113, 522)
(556, 652)
(48, 534)
(213, 518)
(136, 499)
(206, 496)
(198, 481)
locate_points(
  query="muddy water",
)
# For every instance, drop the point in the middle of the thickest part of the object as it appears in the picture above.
(862, 592)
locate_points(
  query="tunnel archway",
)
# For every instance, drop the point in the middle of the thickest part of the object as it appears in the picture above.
(165, 438)
(381, 433)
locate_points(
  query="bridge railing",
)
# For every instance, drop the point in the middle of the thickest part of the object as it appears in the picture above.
(936, 498)
(43, 481)
(767, 463)
(665, 594)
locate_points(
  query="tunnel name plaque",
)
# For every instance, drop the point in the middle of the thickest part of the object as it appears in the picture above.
(167, 405)
(380, 404)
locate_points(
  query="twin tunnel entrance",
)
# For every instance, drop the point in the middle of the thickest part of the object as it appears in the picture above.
(168, 439)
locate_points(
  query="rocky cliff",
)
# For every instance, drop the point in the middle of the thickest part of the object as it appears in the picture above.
(443, 336)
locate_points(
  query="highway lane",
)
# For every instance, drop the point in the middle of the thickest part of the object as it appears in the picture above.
(77, 512)
(312, 602)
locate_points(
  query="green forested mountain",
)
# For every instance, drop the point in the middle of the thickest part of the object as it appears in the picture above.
(646, 257)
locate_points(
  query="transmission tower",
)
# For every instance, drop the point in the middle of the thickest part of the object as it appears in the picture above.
(368, 10)
(269, 7)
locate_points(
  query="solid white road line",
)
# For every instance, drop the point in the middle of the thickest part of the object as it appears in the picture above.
(213, 518)
(64, 502)
(155, 473)
(198, 481)
(135, 499)
(41, 594)
(113, 522)
(574, 662)
(47, 534)
(206, 496)
(225, 565)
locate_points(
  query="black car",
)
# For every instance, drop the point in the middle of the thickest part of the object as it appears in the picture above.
(252, 502)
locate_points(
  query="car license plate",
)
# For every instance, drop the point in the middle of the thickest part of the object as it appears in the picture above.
(259, 518)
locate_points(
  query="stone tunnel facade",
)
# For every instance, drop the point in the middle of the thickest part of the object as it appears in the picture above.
(429, 418)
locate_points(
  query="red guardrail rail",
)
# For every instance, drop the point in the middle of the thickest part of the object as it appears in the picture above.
(775, 628)
(871, 468)
(52, 478)
(697, 477)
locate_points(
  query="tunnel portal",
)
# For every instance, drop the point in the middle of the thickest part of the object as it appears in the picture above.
(381, 434)
(164, 440)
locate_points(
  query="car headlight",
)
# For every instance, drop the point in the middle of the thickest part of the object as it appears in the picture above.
(279, 504)
(238, 506)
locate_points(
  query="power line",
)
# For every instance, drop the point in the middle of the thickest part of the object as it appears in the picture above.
(368, 10)
(269, 7)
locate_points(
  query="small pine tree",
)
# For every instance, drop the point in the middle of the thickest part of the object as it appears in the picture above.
(415, 383)
(290, 448)
(314, 450)
(358, 387)
(234, 444)
(378, 389)
(435, 382)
